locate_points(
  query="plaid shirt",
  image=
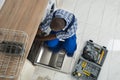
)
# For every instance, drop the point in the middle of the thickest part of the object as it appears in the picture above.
(68, 18)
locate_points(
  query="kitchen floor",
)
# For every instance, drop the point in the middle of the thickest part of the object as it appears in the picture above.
(98, 20)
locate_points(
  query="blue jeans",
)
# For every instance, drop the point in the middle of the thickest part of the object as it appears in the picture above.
(69, 45)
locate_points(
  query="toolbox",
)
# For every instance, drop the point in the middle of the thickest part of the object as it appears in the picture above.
(90, 61)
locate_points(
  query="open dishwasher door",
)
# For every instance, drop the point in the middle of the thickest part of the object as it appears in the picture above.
(40, 55)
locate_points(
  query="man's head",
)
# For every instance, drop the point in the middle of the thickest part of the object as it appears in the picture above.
(57, 24)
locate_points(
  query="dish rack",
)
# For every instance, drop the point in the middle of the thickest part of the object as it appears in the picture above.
(12, 49)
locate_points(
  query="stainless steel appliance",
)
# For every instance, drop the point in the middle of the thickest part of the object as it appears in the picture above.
(42, 56)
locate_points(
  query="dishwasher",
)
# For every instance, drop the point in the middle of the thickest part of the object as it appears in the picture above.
(40, 55)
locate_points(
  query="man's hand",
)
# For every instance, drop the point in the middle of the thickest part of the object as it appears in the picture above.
(45, 38)
(39, 31)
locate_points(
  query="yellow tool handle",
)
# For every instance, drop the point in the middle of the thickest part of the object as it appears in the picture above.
(84, 64)
(86, 72)
(101, 56)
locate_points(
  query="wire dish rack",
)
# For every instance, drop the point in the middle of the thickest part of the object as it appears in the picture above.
(12, 49)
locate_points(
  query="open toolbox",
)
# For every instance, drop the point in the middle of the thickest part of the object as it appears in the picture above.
(90, 61)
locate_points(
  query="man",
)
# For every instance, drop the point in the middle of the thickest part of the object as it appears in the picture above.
(63, 26)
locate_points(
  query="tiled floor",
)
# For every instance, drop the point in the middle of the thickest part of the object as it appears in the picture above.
(98, 20)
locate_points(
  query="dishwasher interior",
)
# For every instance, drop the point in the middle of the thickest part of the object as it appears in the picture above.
(40, 55)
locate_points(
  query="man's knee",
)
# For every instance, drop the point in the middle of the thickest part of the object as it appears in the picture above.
(70, 45)
(52, 43)
(70, 50)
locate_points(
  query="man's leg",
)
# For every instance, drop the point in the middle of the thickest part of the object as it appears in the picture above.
(70, 45)
(54, 44)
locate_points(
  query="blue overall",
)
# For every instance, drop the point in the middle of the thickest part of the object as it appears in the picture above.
(69, 44)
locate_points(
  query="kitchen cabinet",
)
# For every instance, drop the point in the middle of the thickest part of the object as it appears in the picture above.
(21, 15)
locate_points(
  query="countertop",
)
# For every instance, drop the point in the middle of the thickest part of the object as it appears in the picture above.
(22, 15)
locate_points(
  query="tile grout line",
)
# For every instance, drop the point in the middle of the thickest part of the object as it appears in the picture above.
(113, 42)
(99, 34)
(82, 36)
(116, 21)
(90, 5)
(75, 56)
(103, 12)
(108, 72)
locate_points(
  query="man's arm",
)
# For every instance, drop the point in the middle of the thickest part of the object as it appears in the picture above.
(39, 31)
(45, 38)
(46, 23)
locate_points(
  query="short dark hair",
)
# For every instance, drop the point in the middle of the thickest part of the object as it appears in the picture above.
(57, 24)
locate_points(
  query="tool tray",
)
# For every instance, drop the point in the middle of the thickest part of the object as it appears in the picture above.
(90, 61)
